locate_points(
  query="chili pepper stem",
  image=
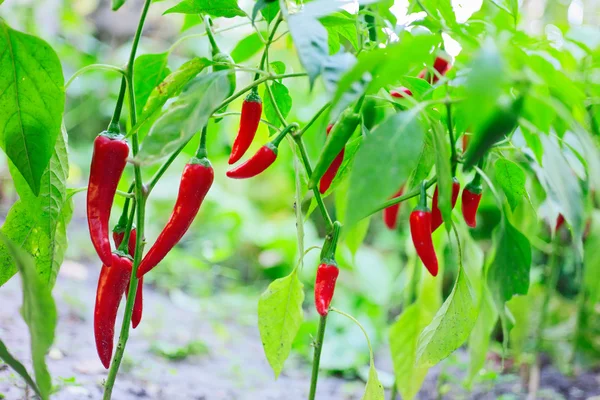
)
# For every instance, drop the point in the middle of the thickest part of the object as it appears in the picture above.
(211, 36)
(453, 158)
(113, 127)
(317, 357)
(201, 153)
(290, 128)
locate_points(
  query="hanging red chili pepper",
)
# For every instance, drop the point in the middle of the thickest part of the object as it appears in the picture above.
(471, 196)
(420, 231)
(136, 316)
(390, 214)
(401, 93)
(436, 214)
(108, 162)
(327, 272)
(249, 120)
(264, 157)
(441, 65)
(332, 171)
(111, 286)
(196, 180)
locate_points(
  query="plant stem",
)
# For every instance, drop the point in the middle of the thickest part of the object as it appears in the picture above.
(451, 135)
(579, 316)
(312, 120)
(307, 166)
(163, 168)
(551, 272)
(317, 357)
(201, 152)
(140, 206)
(91, 68)
(237, 113)
(113, 126)
(394, 393)
(413, 193)
(261, 66)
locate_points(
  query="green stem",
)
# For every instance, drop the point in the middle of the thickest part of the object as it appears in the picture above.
(290, 128)
(451, 135)
(201, 152)
(113, 126)
(211, 38)
(140, 211)
(308, 168)
(397, 200)
(579, 316)
(263, 59)
(317, 357)
(91, 68)
(330, 245)
(163, 168)
(551, 272)
(394, 393)
(237, 113)
(312, 120)
(124, 246)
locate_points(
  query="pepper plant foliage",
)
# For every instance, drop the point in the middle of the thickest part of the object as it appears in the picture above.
(518, 112)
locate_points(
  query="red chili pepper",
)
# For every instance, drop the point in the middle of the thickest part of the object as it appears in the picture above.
(249, 120)
(441, 65)
(471, 196)
(108, 162)
(560, 221)
(196, 180)
(420, 231)
(111, 286)
(327, 274)
(332, 171)
(264, 157)
(436, 214)
(138, 305)
(400, 93)
(390, 214)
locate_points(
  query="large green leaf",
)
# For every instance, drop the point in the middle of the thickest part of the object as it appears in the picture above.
(268, 8)
(170, 87)
(149, 70)
(186, 116)
(282, 97)
(32, 100)
(279, 318)
(247, 47)
(512, 180)
(39, 313)
(214, 8)
(452, 324)
(310, 40)
(381, 67)
(404, 335)
(508, 274)
(39, 224)
(340, 25)
(383, 163)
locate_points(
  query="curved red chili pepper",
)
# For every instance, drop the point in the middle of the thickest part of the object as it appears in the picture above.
(332, 171)
(108, 162)
(249, 120)
(111, 286)
(196, 180)
(420, 231)
(471, 196)
(264, 157)
(390, 214)
(327, 274)
(400, 93)
(436, 214)
(138, 306)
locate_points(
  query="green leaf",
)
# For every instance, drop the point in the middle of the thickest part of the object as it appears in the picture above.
(418, 87)
(39, 224)
(383, 163)
(479, 341)
(404, 335)
(116, 4)
(214, 8)
(452, 324)
(374, 389)
(591, 259)
(278, 67)
(170, 87)
(310, 39)
(443, 172)
(512, 180)
(279, 318)
(16, 365)
(424, 163)
(39, 313)
(186, 116)
(508, 274)
(340, 24)
(483, 86)
(441, 10)
(148, 72)
(268, 8)
(283, 99)
(247, 47)
(381, 67)
(32, 100)
(562, 185)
